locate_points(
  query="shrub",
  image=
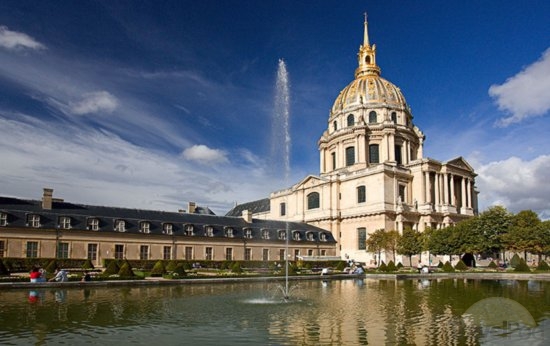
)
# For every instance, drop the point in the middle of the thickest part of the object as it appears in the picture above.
(341, 265)
(461, 266)
(448, 267)
(440, 265)
(171, 266)
(179, 271)
(514, 261)
(399, 265)
(492, 265)
(88, 264)
(3, 269)
(543, 266)
(391, 267)
(158, 270)
(522, 266)
(236, 268)
(383, 267)
(112, 268)
(51, 267)
(187, 266)
(126, 270)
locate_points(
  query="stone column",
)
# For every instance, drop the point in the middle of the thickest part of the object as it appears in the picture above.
(463, 192)
(446, 188)
(427, 187)
(452, 199)
(436, 186)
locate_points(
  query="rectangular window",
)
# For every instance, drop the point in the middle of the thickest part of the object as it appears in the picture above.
(398, 156)
(144, 252)
(144, 227)
(282, 235)
(188, 253)
(373, 154)
(402, 196)
(281, 254)
(282, 209)
(323, 252)
(208, 254)
(189, 230)
(92, 252)
(310, 252)
(93, 224)
(333, 157)
(64, 222)
(3, 219)
(296, 254)
(247, 254)
(248, 233)
(119, 251)
(229, 254)
(120, 226)
(265, 234)
(63, 250)
(167, 253)
(2, 248)
(32, 249)
(167, 228)
(209, 231)
(265, 254)
(361, 238)
(361, 194)
(350, 156)
(33, 220)
(229, 232)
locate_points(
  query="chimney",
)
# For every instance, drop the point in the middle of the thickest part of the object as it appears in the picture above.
(47, 198)
(247, 216)
(191, 207)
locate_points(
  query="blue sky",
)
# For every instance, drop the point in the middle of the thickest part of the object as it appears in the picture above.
(151, 104)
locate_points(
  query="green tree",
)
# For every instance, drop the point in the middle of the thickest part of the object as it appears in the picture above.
(391, 242)
(444, 241)
(410, 243)
(525, 233)
(493, 224)
(376, 242)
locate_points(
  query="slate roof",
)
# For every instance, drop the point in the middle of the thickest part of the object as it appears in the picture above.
(259, 206)
(17, 211)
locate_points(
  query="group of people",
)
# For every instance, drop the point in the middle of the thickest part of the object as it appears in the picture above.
(38, 274)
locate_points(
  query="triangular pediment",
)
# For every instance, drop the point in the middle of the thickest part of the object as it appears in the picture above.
(309, 181)
(461, 163)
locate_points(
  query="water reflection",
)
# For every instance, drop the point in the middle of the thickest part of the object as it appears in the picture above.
(350, 312)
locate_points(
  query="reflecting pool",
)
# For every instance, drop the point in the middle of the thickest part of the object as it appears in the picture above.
(332, 312)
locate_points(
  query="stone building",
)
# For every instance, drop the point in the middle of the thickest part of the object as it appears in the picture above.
(53, 228)
(373, 172)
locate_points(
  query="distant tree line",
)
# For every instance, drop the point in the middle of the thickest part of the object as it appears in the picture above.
(489, 234)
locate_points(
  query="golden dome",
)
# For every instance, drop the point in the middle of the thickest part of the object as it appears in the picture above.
(368, 90)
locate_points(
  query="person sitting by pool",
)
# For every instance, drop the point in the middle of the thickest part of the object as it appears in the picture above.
(86, 277)
(359, 270)
(35, 275)
(60, 276)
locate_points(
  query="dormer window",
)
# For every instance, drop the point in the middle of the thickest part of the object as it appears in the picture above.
(310, 236)
(3, 219)
(296, 235)
(167, 228)
(33, 220)
(265, 234)
(248, 233)
(373, 118)
(65, 222)
(189, 230)
(322, 236)
(394, 117)
(145, 227)
(120, 225)
(209, 231)
(229, 232)
(93, 224)
(335, 125)
(282, 234)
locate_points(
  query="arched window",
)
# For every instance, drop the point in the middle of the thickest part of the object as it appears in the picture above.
(351, 120)
(335, 125)
(394, 117)
(361, 194)
(372, 117)
(373, 154)
(367, 59)
(313, 200)
(350, 156)
(398, 156)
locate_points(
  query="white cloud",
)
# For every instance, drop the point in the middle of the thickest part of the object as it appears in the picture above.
(94, 102)
(526, 94)
(516, 184)
(205, 155)
(17, 40)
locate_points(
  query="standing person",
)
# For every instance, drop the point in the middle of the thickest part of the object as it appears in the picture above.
(419, 267)
(60, 276)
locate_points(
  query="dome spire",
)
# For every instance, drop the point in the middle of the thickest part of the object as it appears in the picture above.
(366, 33)
(367, 56)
